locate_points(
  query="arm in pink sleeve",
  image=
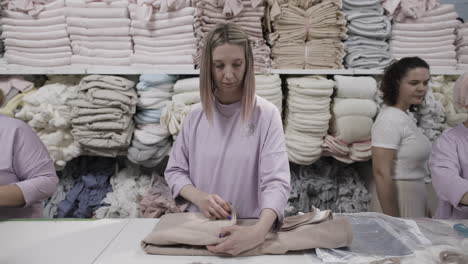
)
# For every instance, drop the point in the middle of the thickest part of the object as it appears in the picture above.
(446, 172)
(33, 166)
(177, 170)
(274, 171)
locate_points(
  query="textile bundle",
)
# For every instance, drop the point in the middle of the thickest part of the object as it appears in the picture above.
(269, 87)
(442, 87)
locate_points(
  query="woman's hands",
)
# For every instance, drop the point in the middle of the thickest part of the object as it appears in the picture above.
(238, 239)
(213, 206)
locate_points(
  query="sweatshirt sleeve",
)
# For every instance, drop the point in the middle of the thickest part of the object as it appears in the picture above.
(446, 172)
(274, 171)
(177, 171)
(33, 166)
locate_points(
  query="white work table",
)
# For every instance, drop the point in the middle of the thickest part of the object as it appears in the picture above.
(110, 241)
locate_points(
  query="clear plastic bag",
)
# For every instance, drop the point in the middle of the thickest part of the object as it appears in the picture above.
(377, 236)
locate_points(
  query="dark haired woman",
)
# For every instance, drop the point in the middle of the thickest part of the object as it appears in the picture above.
(399, 149)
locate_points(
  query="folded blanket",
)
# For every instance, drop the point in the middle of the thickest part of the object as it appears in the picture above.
(97, 12)
(113, 31)
(59, 34)
(161, 24)
(101, 53)
(432, 19)
(351, 128)
(421, 45)
(180, 59)
(450, 24)
(98, 22)
(423, 34)
(446, 37)
(107, 82)
(42, 15)
(34, 29)
(436, 55)
(161, 32)
(41, 50)
(354, 107)
(107, 4)
(159, 15)
(399, 50)
(355, 87)
(84, 60)
(33, 23)
(37, 44)
(184, 39)
(24, 60)
(40, 56)
(114, 45)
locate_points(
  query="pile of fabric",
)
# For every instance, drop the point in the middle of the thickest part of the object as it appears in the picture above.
(307, 34)
(248, 14)
(462, 46)
(442, 87)
(353, 111)
(102, 114)
(151, 140)
(158, 201)
(35, 33)
(306, 117)
(431, 117)
(128, 186)
(327, 184)
(14, 88)
(408, 9)
(163, 34)
(186, 93)
(269, 87)
(99, 32)
(368, 29)
(430, 37)
(45, 110)
(90, 188)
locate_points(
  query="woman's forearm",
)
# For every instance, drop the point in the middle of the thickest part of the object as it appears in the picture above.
(266, 220)
(386, 192)
(11, 196)
(191, 194)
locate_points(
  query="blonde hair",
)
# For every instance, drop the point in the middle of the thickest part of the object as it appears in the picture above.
(460, 91)
(221, 34)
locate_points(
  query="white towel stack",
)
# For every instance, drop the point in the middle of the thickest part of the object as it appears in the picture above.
(269, 87)
(163, 34)
(35, 35)
(462, 46)
(430, 37)
(186, 94)
(99, 32)
(151, 141)
(368, 29)
(103, 109)
(45, 110)
(353, 110)
(307, 117)
(248, 14)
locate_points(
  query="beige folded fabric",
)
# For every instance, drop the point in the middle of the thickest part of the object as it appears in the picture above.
(189, 233)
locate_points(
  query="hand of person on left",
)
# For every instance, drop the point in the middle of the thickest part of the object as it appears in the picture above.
(238, 239)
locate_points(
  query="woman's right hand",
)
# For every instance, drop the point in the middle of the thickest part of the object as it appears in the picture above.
(213, 207)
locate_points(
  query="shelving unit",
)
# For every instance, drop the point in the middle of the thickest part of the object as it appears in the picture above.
(6, 69)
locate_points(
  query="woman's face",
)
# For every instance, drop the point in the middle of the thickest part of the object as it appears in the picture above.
(413, 87)
(228, 69)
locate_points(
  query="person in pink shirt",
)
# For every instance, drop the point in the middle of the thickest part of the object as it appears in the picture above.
(231, 148)
(27, 174)
(449, 162)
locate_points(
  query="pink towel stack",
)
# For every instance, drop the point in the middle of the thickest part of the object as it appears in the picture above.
(462, 46)
(163, 34)
(248, 14)
(99, 31)
(353, 110)
(430, 37)
(35, 33)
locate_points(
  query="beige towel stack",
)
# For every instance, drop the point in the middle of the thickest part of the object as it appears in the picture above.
(307, 117)
(248, 14)
(353, 110)
(269, 87)
(103, 109)
(307, 34)
(442, 87)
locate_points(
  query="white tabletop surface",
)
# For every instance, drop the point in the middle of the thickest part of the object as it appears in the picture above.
(50, 242)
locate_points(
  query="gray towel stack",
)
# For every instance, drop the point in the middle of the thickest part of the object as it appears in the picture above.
(368, 29)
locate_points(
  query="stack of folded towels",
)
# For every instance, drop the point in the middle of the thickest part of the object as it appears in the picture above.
(307, 34)
(269, 87)
(186, 94)
(442, 87)
(462, 46)
(307, 117)
(368, 29)
(100, 32)
(102, 115)
(45, 110)
(353, 110)
(35, 34)
(151, 140)
(163, 34)
(430, 37)
(248, 14)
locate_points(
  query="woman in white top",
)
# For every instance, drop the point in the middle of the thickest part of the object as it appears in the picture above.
(399, 149)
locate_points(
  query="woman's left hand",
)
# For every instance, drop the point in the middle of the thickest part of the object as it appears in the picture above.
(238, 239)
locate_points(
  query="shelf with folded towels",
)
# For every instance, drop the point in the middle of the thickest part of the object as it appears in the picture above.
(7, 69)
